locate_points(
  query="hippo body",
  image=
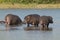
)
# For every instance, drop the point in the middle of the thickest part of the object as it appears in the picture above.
(11, 19)
(32, 19)
(45, 21)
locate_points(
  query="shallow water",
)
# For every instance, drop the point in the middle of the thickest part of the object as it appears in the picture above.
(21, 34)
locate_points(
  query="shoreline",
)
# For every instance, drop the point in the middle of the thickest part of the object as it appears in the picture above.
(28, 6)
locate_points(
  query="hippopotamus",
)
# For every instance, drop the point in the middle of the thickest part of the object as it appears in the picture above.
(32, 19)
(11, 19)
(45, 21)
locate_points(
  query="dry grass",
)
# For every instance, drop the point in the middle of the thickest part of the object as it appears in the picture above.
(37, 6)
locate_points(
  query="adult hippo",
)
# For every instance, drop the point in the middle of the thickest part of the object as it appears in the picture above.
(45, 20)
(11, 19)
(32, 19)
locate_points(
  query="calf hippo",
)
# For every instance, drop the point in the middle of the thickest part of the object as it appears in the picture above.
(11, 19)
(32, 19)
(45, 20)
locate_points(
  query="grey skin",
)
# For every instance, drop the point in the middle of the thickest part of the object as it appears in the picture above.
(11, 19)
(45, 21)
(32, 19)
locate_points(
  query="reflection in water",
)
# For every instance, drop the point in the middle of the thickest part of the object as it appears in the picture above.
(38, 35)
(13, 27)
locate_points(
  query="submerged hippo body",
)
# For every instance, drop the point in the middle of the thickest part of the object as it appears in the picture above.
(45, 20)
(32, 19)
(11, 19)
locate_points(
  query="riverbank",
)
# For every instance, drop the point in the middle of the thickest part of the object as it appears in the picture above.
(37, 6)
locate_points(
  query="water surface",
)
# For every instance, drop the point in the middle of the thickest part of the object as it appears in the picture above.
(21, 34)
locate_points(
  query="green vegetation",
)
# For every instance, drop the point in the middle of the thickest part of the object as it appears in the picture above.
(5, 4)
(30, 1)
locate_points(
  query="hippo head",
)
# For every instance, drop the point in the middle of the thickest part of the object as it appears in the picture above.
(50, 19)
(26, 19)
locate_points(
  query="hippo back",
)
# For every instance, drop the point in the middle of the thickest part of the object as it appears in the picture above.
(46, 19)
(43, 20)
(14, 19)
(32, 18)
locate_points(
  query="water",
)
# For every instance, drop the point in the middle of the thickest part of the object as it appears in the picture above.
(21, 34)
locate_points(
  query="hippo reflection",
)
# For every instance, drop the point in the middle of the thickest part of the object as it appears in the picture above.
(11, 19)
(2, 21)
(11, 27)
(45, 20)
(32, 19)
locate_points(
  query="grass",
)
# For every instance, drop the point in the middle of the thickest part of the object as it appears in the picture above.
(37, 6)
